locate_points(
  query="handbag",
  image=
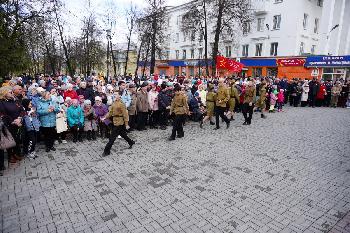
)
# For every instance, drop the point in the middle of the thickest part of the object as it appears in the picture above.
(6, 140)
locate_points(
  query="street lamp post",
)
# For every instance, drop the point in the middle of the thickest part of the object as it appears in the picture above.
(326, 49)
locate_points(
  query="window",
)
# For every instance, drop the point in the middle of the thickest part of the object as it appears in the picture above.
(228, 51)
(245, 49)
(185, 36)
(278, 1)
(167, 55)
(258, 50)
(306, 16)
(273, 50)
(192, 53)
(301, 49)
(200, 37)
(177, 70)
(177, 37)
(260, 26)
(177, 52)
(246, 28)
(184, 54)
(276, 22)
(320, 3)
(200, 52)
(313, 49)
(316, 25)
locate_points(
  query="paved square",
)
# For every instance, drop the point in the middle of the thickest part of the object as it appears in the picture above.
(288, 173)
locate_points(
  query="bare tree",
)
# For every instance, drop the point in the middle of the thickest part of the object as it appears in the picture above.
(131, 21)
(195, 20)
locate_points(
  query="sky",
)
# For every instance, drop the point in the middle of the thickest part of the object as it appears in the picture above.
(114, 10)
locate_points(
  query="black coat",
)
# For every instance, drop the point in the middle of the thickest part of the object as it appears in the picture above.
(10, 110)
(164, 99)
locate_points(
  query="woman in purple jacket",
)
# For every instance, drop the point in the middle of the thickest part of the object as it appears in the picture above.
(101, 110)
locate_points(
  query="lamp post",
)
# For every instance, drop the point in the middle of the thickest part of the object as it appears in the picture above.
(326, 49)
(108, 41)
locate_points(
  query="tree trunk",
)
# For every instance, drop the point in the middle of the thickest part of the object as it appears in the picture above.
(113, 59)
(217, 35)
(205, 39)
(138, 58)
(128, 49)
(70, 70)
(145, 62)
(153, 42)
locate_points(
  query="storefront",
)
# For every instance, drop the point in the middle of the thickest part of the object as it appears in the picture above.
(293, 67)
(333, 67)
(259, 66)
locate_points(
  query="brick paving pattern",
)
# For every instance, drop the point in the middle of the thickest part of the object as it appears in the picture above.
(288, 173)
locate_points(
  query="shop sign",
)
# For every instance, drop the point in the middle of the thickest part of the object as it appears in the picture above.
(328, 61)
(162, 64)
(314, 72)
(290, 62)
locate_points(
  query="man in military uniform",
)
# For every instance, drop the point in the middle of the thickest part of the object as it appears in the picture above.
(180, 108)
(120, 119)
(262, 97)
(222, 97)
(234, 97)
(248, 103)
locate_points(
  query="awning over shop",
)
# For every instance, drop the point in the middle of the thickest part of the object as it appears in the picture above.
(259, 62)
(328, 61)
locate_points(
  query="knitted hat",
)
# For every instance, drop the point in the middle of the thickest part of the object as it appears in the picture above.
(87, 102)
(97, 98)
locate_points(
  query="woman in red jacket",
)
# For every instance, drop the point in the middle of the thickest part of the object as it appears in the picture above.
(320, 95)
(70, 92)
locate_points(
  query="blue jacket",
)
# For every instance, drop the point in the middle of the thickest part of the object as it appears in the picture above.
(32, 123)
(47, 119)
(126, 98)
(75, 116)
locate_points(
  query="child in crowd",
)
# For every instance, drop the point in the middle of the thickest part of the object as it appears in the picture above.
(89, 120)
(273, 98)
(32, 126)
(75, 117)
(280, 100)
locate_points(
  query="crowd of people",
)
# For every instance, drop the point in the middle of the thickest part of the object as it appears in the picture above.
(54, 108)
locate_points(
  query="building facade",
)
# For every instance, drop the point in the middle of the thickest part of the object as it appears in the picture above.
(280, 30)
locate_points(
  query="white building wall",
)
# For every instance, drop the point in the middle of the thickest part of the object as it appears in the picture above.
(289, 36)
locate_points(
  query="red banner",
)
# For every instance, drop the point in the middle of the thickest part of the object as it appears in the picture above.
(290, 62)
(229, 64)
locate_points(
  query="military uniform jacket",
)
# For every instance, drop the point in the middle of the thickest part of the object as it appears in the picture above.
(179, 104)
(222, 96)
(119, 113)
(234, 93)
(336, 90)
(210, 101)
(249, 95)
(142, 101)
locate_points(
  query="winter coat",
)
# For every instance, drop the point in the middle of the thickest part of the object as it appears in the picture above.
(273, 99)
(47, 119)
(88, 93)
(321, 92)
(305, 93)
(280, 97)
(203, 96)
(164, 99)
(32, 122)
(126, 98)
(132, 107)
(10, 110)
(153, 100)
(71, 94)
(101, 111)
(89, 119)
(75, 116)
(142, 101)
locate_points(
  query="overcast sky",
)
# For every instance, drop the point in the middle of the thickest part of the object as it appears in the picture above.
(77, 10)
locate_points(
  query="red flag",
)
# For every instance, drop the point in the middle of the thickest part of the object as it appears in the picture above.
(221, 62)
(234, 66)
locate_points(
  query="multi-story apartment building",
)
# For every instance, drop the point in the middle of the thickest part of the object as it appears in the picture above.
(280, 29)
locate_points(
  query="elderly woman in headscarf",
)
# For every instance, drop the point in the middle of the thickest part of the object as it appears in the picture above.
(89, 120)
(11, 114)
(101, 110)
(305, 93)
(75, 118)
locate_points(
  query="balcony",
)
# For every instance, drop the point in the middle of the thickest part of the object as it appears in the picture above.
(259, 7)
